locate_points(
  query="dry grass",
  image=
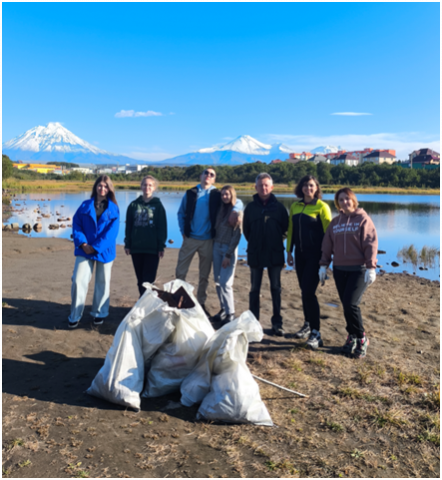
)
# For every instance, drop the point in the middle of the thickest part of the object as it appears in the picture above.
(41, 185)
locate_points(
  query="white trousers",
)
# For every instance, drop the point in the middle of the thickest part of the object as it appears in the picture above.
(80, 283)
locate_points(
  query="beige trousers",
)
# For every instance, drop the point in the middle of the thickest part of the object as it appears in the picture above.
(187, 252)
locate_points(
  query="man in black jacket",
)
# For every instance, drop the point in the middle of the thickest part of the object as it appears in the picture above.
(265, 224)
(197, 218)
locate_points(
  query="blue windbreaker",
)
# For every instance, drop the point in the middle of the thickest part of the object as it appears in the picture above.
(102, 236)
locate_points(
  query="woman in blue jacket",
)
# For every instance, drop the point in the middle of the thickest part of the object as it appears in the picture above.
(95, 229)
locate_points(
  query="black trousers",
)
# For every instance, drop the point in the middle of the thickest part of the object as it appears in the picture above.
(146, 266)
(275, 290)
(351, 286)
(307, 270)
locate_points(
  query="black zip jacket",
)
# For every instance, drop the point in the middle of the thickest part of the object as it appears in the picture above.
(264, 227)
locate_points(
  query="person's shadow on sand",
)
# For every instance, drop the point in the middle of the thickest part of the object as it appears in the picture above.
(51, 315)
(59, 379)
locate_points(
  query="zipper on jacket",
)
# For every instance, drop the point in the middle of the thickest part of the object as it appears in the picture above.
(300, 236)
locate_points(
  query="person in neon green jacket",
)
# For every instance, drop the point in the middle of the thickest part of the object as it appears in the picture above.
(309, 218)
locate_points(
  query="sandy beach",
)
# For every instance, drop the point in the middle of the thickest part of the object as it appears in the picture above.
(373, 418)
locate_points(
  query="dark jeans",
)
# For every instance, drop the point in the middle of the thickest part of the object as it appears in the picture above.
(146, 266)
(275, 289)
(307, 268)
(351, 286)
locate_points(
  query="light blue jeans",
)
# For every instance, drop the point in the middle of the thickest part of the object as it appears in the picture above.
(80, 282)
(224, 276)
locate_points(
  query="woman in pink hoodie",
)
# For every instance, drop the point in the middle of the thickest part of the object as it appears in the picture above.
(352, 240)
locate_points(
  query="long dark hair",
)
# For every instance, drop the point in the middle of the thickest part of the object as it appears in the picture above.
(110, 194)
(307, 178)
(227, 207)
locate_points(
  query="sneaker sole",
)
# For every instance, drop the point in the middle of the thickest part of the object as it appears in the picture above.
(358, 357)
(73, 325)
(320, 344)
(98, 323)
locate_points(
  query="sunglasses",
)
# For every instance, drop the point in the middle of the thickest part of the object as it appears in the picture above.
(209, 174)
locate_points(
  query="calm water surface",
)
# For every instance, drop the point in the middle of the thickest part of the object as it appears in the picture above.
(399, 219)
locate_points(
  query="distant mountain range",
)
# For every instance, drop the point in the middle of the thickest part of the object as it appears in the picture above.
(56, 143)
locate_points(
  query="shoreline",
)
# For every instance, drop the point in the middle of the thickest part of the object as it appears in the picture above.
(55, 186)
(386, 406)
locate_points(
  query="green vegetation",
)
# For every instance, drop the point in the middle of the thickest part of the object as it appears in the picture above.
(64, 164)
(425, 258)
(367, 174)
(7, 168)
(285, 175)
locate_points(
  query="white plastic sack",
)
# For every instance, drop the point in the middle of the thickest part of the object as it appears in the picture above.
(142, 332)
(234, 395)
(179, 355)
(197, 385)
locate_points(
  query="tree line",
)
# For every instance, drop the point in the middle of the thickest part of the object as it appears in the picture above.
(367, 174)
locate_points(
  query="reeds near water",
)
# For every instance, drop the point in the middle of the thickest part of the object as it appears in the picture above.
(425, 258)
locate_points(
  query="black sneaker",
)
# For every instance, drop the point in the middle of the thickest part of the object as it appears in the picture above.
(361, 347)
(278, 331)
(73, 324)
(304, 332)
(98, 321)
(349, 346)
(314, 341)
(220, 316)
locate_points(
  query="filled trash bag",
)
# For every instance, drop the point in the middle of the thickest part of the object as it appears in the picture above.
(177, 357)
(143, 331)
(234, 395)
(222, 381)
(197, 385)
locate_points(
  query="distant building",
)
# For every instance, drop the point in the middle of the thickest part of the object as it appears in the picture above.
(424, 156)
(277, 160)
(380, 156)
(82, 170)
(294, 160)
(36, 167)
(332, 155)
(300, 156)
(346, 159)
(319, 159)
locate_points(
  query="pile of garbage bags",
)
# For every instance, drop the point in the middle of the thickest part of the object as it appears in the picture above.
(166, 343)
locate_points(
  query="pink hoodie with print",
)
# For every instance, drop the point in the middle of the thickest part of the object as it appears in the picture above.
(352, 240)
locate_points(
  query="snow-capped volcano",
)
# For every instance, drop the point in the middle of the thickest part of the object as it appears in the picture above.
(243, 144)
(244, 149)
(56, 143)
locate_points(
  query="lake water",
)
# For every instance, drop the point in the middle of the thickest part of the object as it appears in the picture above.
(400, 220)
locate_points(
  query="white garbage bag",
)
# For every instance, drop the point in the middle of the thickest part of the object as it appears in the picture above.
(178, 356)
(234, 395)
(142, 332)
(197, 385)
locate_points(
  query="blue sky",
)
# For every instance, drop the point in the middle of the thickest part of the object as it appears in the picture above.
(209, 72)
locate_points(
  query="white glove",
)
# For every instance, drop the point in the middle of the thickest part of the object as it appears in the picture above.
(370, 276)
(322, 274)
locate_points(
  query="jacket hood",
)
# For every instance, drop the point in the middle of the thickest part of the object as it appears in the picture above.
(358, 212)
(153, 201)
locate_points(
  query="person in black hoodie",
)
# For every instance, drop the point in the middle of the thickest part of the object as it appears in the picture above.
(265, 224)
(146, 233)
